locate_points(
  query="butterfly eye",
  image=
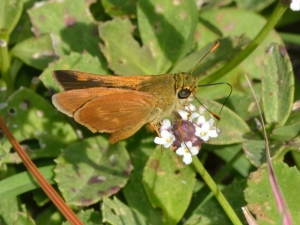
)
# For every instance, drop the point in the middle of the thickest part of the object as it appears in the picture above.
(184, 93)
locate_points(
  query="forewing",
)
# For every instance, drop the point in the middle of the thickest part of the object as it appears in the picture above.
(70, 80)
(117, 111)
(69, 102)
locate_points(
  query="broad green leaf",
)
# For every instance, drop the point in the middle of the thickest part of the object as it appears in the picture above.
(211, 213)
(70, 24)
(169, 184)
(285, 133)
(255, 150)
(10, 13)
(277, 85)
(290, 130)
(232, 128)
(120, 7)
(117, 213)
(22, 182)
(261, 200)
(243, 105)
(9, 210)
(123, 53)
(88, 217)
(22, 30)
(36, 52)
(31, 118)
(236, 22)
(167, 28)
(91, 169)
(134, 192)
(84, 62)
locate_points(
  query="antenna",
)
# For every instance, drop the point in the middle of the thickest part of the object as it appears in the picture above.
(216, 45)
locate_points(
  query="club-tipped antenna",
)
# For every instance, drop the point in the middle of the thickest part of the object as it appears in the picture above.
(216, 45)
(216, 116)
(224, 103)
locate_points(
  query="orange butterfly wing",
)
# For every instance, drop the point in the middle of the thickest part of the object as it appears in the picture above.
(118, 111)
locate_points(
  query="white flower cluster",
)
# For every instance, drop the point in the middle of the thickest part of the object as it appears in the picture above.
(203, 130)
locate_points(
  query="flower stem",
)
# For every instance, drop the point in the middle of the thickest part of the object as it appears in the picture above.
(218, 194)
(272, 21)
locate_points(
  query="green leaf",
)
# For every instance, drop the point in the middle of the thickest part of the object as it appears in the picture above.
(233, 128)
(134, 192)
(36, 52)
(294, 144)
(10, 13)
(211, 213)
(285, 133)
(22, 30)
(253, 5)
(91, 169)
(117, 213)
(32, 119)
(255, 150)
(120, 7)
(277, 85)
(167, 28)
(122, 51)
(70, 24)
(24, 219)
(290, 130)
(9, 210)
(22, 182)
(227, 152)
(88, 217)
(84, 62)
(169, 184)
(261, 200)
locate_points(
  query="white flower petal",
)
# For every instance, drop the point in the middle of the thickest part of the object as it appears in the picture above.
(201, 120)
(183, 114)
(159, 141)
(205, 126)
(190, 107)
(165, 133)
(204, 138)
(194, 115)
(187, 158)
(213, 133)
(194, 151)
(202, 110)
(188, 144)
(180, 151)
(211, 121)
(166, 125)
(295, 5)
